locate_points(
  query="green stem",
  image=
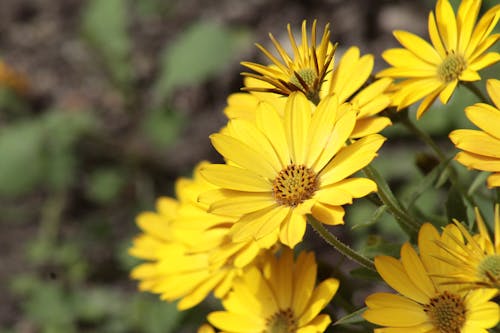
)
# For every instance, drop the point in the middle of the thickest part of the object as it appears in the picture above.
(385, 194)
(405, 120)
(340, 246)
(476, 91)
(51, 218)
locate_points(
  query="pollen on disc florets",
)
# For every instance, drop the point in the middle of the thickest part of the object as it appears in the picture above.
(294, 184)
(281, 322)
(451, 67)
(447, 312)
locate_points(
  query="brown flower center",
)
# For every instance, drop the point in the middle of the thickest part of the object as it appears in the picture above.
(294, 184)
(451, 67)
(447, 312)
(281, 322)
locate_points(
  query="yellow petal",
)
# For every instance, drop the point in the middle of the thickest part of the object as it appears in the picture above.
(244, 155)
(418, 47)
(335, 140)
(485, 117)
(394, 274)
(416, 270)
(447, 24)
(435, 36)
(303, 285)
(297, 119)
(331, 215)
(478, 162)
(258, 224)
(466, 18)
(271, 123)
(370, 125)
(351, 159)
(322, 124)
(476, 142)
(445, 94)
(484, 61)
(493, 87)
(321, 296)
(234, 322)
(293, 229)
(494, 180)
(405, 59)
(234, 178)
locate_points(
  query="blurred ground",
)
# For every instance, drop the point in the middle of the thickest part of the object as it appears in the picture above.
(96, 74)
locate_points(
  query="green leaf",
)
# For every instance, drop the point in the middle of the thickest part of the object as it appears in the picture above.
(105, 27)
(21, 156)
(430, 180)
(455, 207)
(104, 184)
(163, 127)
(351, 318)
(203, 50)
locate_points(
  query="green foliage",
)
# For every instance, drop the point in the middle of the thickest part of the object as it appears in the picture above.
(40, 151)
(161, 127)
(105, 27)
(21, 154)
(104, 184)
(202, 51)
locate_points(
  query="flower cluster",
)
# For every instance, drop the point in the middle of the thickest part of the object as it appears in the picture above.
(298, 147)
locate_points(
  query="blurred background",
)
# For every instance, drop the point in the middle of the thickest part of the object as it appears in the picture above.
(104, 103)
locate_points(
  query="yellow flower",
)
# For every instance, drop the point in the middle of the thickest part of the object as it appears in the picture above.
(305, 72)
(282, 168)
(482, 148)
(188, 251)
(474, 260)
(279, 297)
(422, 303)
(457, 53)
(345, 80)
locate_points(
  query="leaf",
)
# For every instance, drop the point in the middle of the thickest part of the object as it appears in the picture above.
(351, 318)
(427, 182)
(163, 127)
(203, 50)
(105, 27)
(21, 156)
(104, 184)
(455, 207)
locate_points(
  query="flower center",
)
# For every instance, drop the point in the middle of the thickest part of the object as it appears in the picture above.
(294, 184)
(281, 322)
(306, 80)
(489, 268)
(307, 75)
(447, 312)
(451, 67)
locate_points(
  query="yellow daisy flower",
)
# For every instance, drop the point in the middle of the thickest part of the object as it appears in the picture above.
(422, 303)
(481, 149)
(474, 260)
(457, 53)
(305, 72)
(282, 168)
(279, 297)
(345, 80)
(188, 251)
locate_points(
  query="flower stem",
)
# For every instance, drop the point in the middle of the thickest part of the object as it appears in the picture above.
(340, 246)
(476, 91)
(385, 194)
(405, 120)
